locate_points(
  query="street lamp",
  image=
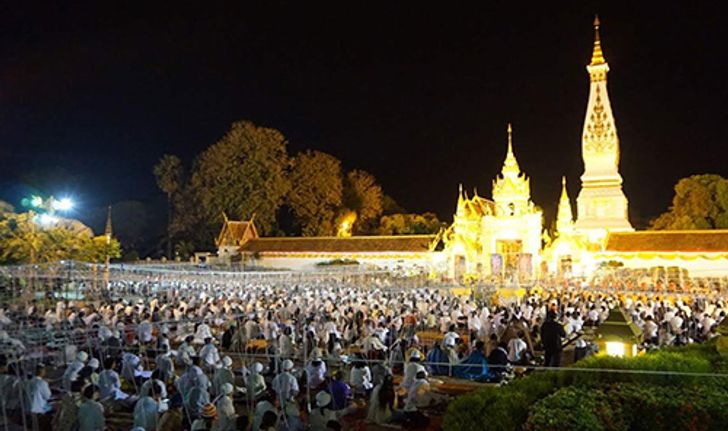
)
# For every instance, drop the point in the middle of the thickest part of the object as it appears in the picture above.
(618, 335)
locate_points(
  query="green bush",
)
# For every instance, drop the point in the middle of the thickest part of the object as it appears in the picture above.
(614, 401)
(628, 406)
(576, 409)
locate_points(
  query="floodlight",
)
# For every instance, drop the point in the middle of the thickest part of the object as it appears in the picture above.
(64, 204)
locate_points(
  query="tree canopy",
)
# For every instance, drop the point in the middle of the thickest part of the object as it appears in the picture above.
(316, 192)
(700, 202)
(23, 240)
(249, 172)
(409, 224)
(243, 174)
(168, 172)
(363, 195)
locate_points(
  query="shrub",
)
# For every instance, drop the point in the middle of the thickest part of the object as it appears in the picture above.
(629, 406)
(615, 400)
(577, 409)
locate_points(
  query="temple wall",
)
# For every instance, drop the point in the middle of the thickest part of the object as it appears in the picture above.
(698, 265)
(310, 262)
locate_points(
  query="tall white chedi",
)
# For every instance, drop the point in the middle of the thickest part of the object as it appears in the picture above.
(601, 204)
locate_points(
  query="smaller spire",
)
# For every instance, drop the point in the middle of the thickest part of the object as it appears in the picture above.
(510, 166)
(564, 217)
(461, 201)
(108, 231)
(597, 55)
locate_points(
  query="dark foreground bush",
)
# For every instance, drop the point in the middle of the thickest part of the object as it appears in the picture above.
(610, 400)
(627, 406)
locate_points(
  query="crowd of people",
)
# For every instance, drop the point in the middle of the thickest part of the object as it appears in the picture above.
(198, 355)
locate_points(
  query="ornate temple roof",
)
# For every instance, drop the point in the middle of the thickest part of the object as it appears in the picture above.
(236, 232)
(691, 241)
(332, 244)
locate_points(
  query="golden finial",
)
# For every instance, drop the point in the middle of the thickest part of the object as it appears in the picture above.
(461, 202)
(597, 55)
(510, 140)
(510, 166)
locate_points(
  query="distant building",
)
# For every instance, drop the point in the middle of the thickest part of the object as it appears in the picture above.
(504, 237)
(498, 236)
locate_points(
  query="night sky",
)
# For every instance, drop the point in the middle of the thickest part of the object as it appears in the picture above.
(91, 95)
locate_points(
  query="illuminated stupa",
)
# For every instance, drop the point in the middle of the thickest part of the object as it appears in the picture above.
(601, 204)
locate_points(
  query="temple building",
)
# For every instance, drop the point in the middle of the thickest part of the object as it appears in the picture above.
(503, 238)
(500, 236)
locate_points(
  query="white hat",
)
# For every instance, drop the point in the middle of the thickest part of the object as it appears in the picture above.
(227, 361)
(82, 356)
(257, 367)
(93, 363)
(323, 399)
(287, 365)
(226, 388)
(415, 354)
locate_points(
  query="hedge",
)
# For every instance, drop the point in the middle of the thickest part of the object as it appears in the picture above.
(627, 406)
(511, 406)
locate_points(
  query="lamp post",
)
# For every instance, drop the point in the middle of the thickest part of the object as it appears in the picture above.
(618, 335)
(42, 212)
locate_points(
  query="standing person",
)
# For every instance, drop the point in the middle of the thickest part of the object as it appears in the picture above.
(91, 412)
(38, 392)
(146, 410)
(255, 382)
(552, 333)
(164, 364)
(316, 373)
(340, 391)
(209, 355)
(226, 409)
(382, 403)
(285, 384)
(71, 372)
(223, 375)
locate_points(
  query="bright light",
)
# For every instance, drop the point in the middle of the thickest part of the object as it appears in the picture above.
(47, 219)
(36, 201)
(615, 348)
(64, 204)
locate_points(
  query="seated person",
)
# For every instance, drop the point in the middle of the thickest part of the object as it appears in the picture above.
(475, 366)
(498, 360)
(437, 360)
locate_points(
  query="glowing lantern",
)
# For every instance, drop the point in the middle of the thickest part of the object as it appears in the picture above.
(617, 335)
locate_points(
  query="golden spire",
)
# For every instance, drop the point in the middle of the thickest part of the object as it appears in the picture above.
(597, 55)
(461, 201)
(564, 217)
(510, 166)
